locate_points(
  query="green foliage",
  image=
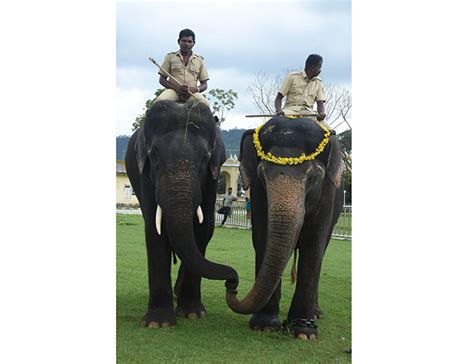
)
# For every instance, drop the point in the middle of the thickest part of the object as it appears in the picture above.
(345, 138)
(224, 336)
(347, 178)
(139, 119)
(222, 101)
(231, 140)
(121, 143)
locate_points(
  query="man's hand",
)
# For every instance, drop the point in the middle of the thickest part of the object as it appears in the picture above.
(193, 89)
(321, 116)
(183, 90)
(279, 112)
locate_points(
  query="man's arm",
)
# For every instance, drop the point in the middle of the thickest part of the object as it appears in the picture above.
(202, 87)
(278, 99)
(321, 110)
(284, 90)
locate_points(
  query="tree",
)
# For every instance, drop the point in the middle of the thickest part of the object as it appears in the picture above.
(263, 90)
(345, 139)
(223, 102)
(139, 119)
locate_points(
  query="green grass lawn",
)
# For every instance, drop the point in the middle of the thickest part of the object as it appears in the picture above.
(224, 336)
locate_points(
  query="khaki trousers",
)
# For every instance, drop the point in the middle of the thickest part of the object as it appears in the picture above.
(172, 95)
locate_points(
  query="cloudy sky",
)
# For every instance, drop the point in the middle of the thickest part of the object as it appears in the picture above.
(237, 39)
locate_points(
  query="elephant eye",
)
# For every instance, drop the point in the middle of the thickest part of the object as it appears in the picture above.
(154, 155)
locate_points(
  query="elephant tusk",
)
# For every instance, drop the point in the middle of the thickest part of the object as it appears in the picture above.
(200, 215)
(159, 215)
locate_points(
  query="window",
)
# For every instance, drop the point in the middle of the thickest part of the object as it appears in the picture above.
(128, 191)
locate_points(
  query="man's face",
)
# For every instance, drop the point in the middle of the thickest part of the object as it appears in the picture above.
(186, 44)
(229, 190)
(314, 70)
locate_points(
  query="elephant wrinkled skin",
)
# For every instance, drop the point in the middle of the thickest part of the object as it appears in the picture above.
(173, 162)
(294, 207)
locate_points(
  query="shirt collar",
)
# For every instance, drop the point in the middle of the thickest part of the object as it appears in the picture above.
(305, 76)
(181, 56)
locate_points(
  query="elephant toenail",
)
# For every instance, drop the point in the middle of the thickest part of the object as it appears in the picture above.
(302, 337)
(192, 316)
(312, 337)
(165, 325)
(203, 313)
(154, 325)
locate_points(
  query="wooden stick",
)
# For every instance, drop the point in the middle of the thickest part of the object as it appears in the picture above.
(270, 115)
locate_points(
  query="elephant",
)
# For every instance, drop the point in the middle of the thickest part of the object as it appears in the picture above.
(294, 208)
(173, 161)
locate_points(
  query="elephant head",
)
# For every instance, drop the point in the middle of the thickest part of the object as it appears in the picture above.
(179, 152)
(294, 195)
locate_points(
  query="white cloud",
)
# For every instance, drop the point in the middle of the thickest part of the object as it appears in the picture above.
(130, 104)
(238, 39)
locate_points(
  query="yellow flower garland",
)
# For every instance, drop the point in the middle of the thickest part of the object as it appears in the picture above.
(289, 160)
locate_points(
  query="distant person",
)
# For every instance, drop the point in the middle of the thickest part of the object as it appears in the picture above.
(187, 67)
(227, 202)
(302, 89)
(247, 207)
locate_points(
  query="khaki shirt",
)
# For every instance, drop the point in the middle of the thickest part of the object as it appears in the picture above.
(301, 93)
(189, 74)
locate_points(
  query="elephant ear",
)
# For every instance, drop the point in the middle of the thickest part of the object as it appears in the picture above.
(140, 150)
(217, 157)
(248, 159)
(335, 165)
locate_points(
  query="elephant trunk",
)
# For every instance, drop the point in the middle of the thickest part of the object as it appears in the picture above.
(285, 219)
(179, 213)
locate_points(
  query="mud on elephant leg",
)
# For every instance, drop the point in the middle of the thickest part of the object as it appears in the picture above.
(188, 292)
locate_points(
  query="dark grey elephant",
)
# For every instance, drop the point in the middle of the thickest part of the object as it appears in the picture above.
(173, 162)
(293, 207)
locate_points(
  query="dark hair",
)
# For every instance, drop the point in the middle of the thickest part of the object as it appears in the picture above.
(187, 33)
(313, 60)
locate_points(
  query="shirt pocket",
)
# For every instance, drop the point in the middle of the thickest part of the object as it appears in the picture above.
(176, 66)
(311, 95)
(194, 69)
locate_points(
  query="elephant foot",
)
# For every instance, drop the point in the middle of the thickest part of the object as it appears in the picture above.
(191, 311)
(302, 329)
(265, 322)
(159, 318)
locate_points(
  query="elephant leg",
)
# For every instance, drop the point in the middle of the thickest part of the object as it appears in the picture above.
(188, 286)
(304, 307)
(160, 304)
(267, 318)
(188, 292)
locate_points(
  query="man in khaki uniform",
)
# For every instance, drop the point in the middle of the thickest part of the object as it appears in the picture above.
(187, 67)
(302, 89)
